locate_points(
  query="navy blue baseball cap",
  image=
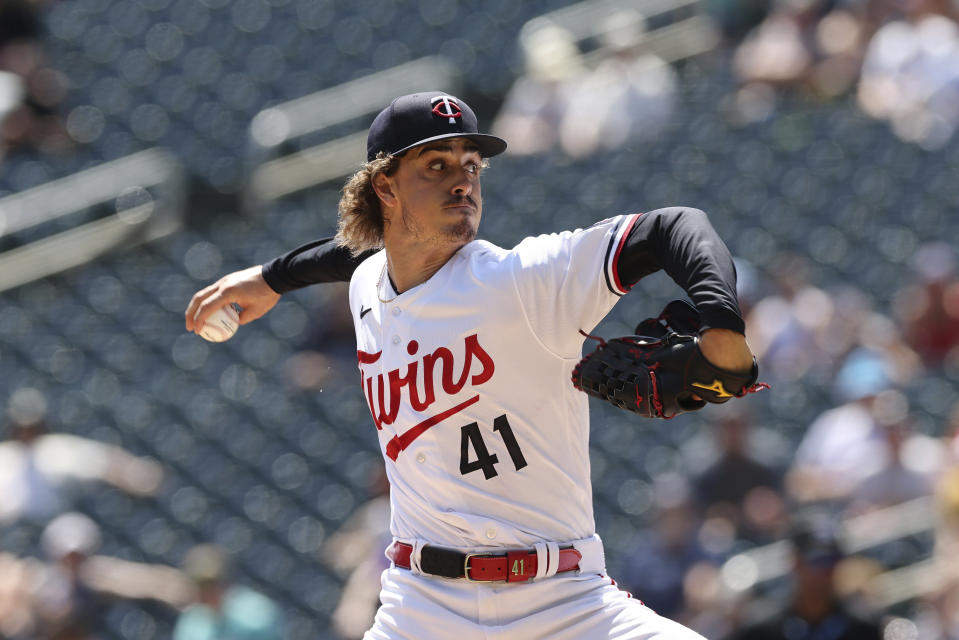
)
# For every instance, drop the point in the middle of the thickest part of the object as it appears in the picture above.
(419, 118)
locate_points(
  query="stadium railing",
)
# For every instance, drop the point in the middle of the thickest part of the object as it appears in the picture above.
(275, 172)
(69, 221)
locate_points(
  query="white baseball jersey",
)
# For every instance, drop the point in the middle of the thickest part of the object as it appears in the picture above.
(467, 376)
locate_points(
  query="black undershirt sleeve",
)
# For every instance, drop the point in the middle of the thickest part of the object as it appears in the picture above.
(682, 242)
(313, 263)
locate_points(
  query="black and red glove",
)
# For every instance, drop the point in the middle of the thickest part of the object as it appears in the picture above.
(658, 371)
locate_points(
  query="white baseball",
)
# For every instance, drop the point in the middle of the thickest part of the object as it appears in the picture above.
(221, 325)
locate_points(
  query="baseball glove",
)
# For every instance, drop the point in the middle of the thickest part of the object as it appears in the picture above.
(656, 372)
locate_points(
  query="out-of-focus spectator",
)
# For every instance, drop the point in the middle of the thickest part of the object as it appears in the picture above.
(357, 550)
(809, 44)
(19, 21)
(787, 328)
(947, 501)
(802, 333)
(814, 608)
(845, 444)
(534, 108)
(628, 97)
(737, 486)
(30, 90)
(19, 25)
(951, 435)
(939, 612)
(903, 477)
(16, 617)
(928, 309)
(12, 91)
(736, 18)
(65, 605)
(561, 101)
(40, 472)
(222, 608)
(708, 604)
(878, 332)
(947, 540)
(656, 569)
(910, 76)
(937, 615)
(67, 596)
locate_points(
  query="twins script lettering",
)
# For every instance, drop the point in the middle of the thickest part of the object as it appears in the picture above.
(418, 382)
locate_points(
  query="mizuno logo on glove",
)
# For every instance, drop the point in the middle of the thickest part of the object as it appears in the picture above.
(716, 387)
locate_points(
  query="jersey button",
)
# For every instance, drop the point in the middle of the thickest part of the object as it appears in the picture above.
(396, 311)
(491, 533)
(396, 339)
(420, 458)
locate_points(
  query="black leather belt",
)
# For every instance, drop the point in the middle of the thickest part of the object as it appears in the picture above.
(509, 566)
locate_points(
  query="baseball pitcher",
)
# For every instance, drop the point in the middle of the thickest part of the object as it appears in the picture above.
(470, 362)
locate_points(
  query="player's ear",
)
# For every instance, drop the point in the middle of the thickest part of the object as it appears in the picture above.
(383, 187)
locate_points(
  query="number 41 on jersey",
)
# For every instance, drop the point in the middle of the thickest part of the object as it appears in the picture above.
(472, 437)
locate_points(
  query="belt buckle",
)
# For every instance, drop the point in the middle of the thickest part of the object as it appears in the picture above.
(466, 565)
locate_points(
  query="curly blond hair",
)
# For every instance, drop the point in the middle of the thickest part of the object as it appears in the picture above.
(360, 225)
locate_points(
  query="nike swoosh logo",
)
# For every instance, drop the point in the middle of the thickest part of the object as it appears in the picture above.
(363, 311)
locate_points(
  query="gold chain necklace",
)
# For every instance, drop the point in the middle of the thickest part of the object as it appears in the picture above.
(379, 285)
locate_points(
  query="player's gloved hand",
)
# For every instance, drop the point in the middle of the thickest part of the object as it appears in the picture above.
(662, 371)
(247, 288)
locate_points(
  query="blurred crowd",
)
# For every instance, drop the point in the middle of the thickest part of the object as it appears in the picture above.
(897, 57)
(31, 91)
(851, 534)
(61, 588)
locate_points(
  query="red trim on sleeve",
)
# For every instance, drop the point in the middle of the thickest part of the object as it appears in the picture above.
(619, 248)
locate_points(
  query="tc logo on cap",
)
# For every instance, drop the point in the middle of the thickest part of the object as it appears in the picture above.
(446, 107)
(419, 118)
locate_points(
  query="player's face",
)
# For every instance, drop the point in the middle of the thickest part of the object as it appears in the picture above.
(437, 186)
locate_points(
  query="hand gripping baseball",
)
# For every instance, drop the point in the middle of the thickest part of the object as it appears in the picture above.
(661, 371)
(246, 288)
